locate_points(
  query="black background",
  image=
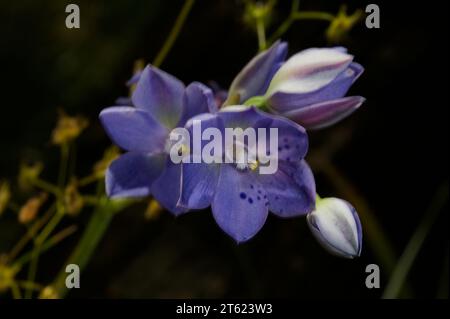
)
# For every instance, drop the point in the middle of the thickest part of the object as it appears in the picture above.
(396, 154)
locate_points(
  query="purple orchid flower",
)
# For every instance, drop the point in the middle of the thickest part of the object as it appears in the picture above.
(240, 196)
(160, 103)
(308, 88)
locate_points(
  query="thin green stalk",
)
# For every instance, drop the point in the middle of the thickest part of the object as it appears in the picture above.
(31, 233)
(90, 239)
(398, 277)
(51, 242)
(313, 15)
(173, 33)
(46, 186)
(261, 30)
(88, 180)
(72, 161)
(40, 239)
(32, 270)
(63, 165)
(54, 221)
(298, 15)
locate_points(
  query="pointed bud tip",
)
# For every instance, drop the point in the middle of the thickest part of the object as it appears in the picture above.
(336, 226)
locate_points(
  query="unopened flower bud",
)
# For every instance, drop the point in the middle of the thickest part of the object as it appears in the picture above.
(29, 211)
(336, 226)
(68, 128)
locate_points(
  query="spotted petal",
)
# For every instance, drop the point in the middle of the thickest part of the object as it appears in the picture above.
(239, 206)
(291, 190)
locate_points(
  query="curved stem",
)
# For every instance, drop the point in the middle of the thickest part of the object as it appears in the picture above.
(298, 15)
(173, 33)
(400, 273)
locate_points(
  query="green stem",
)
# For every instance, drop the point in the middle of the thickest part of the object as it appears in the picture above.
(261, 30)
(46, 186)
(88, 180)
(400, 273)
(31, 233)
(54, 221)
(51, 242)
(313, 15)
(32, 270)
(90, 239)
(173, 33)
(63, 165)
(297, 15)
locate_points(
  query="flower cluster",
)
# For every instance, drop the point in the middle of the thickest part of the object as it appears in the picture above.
(306, 91)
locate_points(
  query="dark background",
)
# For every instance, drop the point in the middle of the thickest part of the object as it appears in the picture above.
(395, 151)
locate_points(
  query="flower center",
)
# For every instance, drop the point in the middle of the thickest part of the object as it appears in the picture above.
(241, 156)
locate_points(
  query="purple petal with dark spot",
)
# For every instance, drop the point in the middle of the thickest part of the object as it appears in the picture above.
(236, 207)
(292, 138)
(291, 190)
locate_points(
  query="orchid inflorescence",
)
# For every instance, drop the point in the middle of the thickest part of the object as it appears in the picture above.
(305, 92)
